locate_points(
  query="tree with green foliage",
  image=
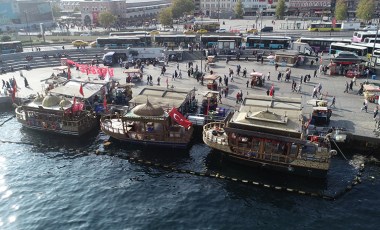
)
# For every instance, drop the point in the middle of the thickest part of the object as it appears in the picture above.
(340, 10)
(181, 7)
(166, 17)
(366, 9)
(57, 12)
(239, 10)
(107, 19)
(280, 9)
(6, 38)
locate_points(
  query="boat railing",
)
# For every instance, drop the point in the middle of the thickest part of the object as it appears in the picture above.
(273, 157)
(19, 114)
(213, 126)
(108, 126)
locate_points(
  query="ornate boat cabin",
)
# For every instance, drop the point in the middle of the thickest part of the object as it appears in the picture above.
(151, 125)
(56, 115)
(269, 132)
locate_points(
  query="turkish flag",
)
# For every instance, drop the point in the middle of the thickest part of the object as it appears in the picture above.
(105, 104)
(110, 71)
(81, 90)
(179, 118)
(271, 92)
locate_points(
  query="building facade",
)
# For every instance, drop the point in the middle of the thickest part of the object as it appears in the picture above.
(128, 11)
(225, 8)
(18, 13)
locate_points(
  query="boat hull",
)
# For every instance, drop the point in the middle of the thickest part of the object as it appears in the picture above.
(79, 133)
(166, 144)
(266, 165)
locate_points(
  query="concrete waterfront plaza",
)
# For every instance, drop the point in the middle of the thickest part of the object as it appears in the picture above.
(347, 113)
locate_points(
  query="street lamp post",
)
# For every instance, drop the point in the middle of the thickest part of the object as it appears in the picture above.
(374, 47)
(261, 24)
(28, 29)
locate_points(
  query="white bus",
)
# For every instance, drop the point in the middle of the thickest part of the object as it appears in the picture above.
(337, 47)
(322, 44)
(359, 36)
(369, 46)
(372, 40)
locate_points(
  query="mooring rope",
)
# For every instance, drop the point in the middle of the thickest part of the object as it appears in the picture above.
(7, 120)
(355, 181)
(339, 149)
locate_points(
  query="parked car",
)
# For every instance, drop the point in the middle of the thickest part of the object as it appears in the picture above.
(221, 31)
(253, 31)
(370, 28)
(267, 29)
(78, 43)
(202, 31)
(93, 44)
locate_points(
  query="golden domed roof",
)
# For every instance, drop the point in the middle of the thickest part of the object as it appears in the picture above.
(50, 101)
(38, 99)
(148, 110)
(65, 103)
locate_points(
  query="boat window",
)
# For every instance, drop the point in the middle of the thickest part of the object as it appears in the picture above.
(281, 148)
(294, 149)
(309, 150)
(255, 144)
(269, 146)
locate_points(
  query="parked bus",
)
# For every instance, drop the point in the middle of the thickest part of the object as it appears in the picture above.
(338, 47)
(325, 26)
(124, 41)
(268, 42)
(322, 44)
(359, 36)
(369, 46)
(130, 33)
(209, 41)
(10, 47)
(372, 40)
(174, 40)
(210, 26)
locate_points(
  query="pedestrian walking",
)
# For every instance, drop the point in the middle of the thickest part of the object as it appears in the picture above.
(365, 106)
(351, 85)
(247, 83)
(375, 111)
(268, 76)
(333, 102)
(315, 73)
(354, 80)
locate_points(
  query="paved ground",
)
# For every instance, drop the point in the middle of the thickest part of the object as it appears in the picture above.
(346, 114)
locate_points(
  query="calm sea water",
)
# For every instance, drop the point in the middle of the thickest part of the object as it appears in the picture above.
(66, 186)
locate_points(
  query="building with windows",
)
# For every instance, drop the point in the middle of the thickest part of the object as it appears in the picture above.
(19, 13)
(225, 8)
(128, 11)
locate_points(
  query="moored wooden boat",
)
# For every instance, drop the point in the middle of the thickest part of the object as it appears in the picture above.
(269, 132)
(149, 124)
(56, 115)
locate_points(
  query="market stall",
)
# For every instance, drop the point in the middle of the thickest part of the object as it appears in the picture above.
(212, 83)
(257, 78)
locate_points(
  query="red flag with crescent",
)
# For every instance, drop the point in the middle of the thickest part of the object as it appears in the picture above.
(271, 91)
(81, 90)
(105, 104)
(179, 118)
